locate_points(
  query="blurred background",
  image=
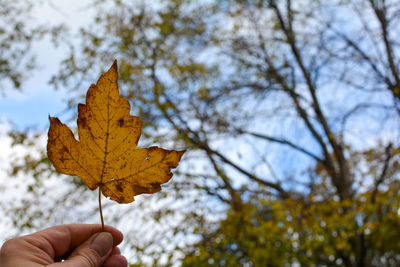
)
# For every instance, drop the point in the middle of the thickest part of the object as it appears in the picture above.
(289, 112)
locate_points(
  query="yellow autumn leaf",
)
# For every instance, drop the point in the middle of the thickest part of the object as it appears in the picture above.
(106, 154)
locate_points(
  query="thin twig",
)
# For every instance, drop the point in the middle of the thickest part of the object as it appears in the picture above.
(101, 211)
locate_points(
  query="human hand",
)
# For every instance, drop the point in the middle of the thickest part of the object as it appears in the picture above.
(74, 245)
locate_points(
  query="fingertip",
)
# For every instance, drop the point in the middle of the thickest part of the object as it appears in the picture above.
(116, 261)
(115, 251)
(117, 235)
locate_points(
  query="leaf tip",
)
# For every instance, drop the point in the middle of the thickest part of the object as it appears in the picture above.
(114, 65)
(53, 119)
(180, 153)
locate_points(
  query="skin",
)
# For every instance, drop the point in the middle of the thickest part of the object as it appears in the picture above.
(74, 245)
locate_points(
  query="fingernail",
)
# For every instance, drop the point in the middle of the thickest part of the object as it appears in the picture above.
(103, 243)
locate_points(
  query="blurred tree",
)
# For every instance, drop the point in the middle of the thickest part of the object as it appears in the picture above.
(17, 35)
(19, 32)
(357, 232)
(290, 114)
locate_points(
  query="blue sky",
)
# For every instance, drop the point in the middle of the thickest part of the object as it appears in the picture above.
(38, 99)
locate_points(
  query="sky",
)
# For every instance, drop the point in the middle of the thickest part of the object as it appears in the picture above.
(38, 99)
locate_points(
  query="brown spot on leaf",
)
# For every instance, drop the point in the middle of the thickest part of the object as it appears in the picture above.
(152, 148)
(82, 122)
(155, 184)
(119, 187)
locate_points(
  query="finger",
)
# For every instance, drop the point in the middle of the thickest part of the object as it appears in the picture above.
(116, 251)
(59, 240)
(92, 253)
(116, 261)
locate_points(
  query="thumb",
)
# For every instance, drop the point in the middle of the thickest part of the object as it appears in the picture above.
(91, 253)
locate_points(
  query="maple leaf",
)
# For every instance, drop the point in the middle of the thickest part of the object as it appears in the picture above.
(106, 155)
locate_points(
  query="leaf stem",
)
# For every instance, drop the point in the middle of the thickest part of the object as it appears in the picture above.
(101, 211)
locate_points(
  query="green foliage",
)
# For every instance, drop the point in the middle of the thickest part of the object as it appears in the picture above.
(306, 231)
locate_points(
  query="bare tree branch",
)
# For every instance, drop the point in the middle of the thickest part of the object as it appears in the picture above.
(284, 142)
